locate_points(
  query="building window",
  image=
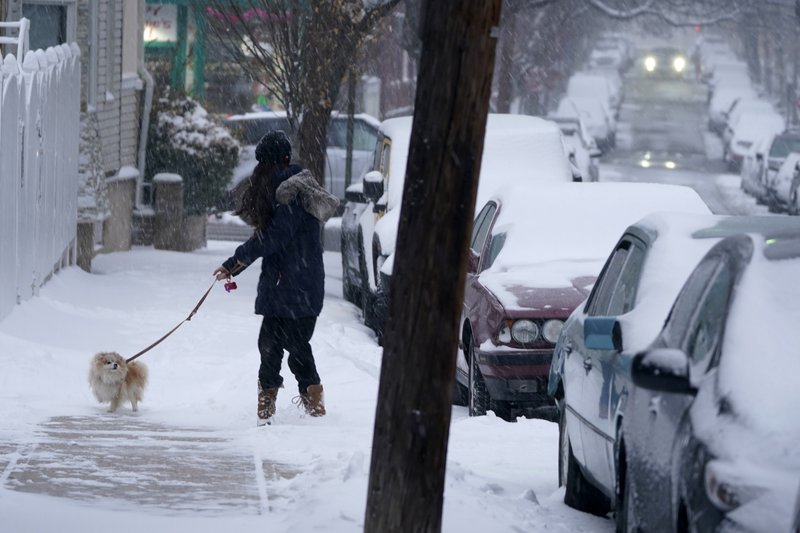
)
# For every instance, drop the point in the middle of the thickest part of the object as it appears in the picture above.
(52, 22)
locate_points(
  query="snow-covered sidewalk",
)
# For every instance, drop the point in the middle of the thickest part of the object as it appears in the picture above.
(192, 459)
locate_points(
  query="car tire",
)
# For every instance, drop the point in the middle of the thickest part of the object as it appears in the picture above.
(350, 293)
(503, 410)
(793, 208)
(580, 494)
(478, 396)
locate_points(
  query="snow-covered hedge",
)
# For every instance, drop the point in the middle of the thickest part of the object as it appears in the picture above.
(184, 141)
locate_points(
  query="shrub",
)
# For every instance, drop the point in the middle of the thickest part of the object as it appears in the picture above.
(182, 140)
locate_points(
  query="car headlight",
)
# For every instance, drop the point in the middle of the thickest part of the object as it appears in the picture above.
(679, 64)
(551, 330)
(524, 331)
(650, 63)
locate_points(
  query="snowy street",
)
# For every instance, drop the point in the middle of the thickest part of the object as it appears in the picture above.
(142, 142)
(192, 458)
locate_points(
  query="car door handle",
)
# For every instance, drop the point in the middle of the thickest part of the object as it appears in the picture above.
(567, 347)
(587, 365)
(655, 405)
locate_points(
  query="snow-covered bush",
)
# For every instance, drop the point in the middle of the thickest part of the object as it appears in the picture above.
(184, 141)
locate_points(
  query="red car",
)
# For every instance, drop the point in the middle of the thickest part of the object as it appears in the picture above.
(535, 254)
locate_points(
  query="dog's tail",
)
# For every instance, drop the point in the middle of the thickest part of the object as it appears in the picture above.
(136, 378)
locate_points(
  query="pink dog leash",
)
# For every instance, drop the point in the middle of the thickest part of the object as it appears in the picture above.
(188, 318)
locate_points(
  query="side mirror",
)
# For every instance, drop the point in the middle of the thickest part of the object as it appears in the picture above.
(472, 261)
(760, 157)
(602, 333)
(373, 185)
(662, 369)
(595, 152)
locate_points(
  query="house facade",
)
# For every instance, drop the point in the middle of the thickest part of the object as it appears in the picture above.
(114, 93)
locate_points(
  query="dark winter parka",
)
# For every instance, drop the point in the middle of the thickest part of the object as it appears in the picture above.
(292, 281)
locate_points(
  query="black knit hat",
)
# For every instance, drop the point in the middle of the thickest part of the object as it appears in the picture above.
(274, 147)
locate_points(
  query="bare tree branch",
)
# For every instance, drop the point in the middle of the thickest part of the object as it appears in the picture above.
(675, 13)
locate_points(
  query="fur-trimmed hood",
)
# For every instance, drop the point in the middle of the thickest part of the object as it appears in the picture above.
(317, 201)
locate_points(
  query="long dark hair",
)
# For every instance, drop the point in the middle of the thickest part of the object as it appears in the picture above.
(257, 202)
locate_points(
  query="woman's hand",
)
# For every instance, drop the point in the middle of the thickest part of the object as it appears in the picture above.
(221, 273)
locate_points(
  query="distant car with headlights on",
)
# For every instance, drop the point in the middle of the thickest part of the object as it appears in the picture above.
(664, 62)
(529, 267)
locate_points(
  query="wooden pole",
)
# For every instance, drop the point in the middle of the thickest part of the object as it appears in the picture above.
(412, 419)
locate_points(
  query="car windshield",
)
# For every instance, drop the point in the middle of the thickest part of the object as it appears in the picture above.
(784, 146)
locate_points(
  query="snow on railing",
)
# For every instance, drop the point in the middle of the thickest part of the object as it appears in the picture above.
(21, 40)
(39, 135)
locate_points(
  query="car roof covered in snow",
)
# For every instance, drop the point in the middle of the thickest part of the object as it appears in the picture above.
(517, 148)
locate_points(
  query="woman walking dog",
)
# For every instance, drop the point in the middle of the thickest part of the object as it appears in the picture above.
(286, 206)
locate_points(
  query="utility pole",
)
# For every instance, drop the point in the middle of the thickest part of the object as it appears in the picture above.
(412, 419)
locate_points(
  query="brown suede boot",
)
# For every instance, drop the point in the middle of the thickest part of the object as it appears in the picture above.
(266, 404)
(313, 400)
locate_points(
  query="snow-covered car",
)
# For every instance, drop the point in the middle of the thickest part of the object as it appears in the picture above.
(729, 73)
(712, 56)
(762, 162)
(753, 170)
(721, 103)
(517, 148)
(607, 54)
(590, 373)
(782, 188)
(739, 108)
(775, 153)
(582, 148)
(594, 85)
(522, 284)
(749, 128)
(709, 436)
(595, 115)
(248, 128)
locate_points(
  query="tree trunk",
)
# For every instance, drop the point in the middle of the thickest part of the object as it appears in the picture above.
(412, 419)
(330, 44)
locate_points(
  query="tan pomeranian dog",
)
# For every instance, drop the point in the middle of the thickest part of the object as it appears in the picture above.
(113, 380)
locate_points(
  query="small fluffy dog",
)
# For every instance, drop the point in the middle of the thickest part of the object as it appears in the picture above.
(113, 380)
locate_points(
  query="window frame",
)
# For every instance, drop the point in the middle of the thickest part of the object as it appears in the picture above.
(627, 242)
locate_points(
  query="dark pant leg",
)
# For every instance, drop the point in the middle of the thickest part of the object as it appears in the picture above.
(301, 358)
(271, 341)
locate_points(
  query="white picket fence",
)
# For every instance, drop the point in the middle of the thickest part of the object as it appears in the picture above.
(39, 136)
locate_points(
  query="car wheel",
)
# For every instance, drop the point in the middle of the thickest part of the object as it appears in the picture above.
(503, 410)
(580, 494)
(350, 292)
(478, 395)
(793, 209)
